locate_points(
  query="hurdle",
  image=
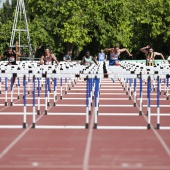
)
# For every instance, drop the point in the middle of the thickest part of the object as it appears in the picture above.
(9, 75)
(97, 114)
(88, 88)
(158, 114)
(6, 76)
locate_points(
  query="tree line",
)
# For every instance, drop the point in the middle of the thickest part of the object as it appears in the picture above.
(77, 26)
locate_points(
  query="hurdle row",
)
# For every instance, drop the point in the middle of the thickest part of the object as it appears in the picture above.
(141, 69)
(96, 76)
(125, 76)
(48, 76)
(41, 70)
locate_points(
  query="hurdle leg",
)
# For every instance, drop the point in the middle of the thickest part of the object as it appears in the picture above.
(123, 83)
(72, 84)
(87, 104)
(48, 92)
(46, 100)
(69, 84)
(130, 89)
(55, 87)
(18, 88)
(38, 110)
(0, 85)
(149, 101)
(90, 95)
(126, 86)
(96, 100)
(140, 110)
(6, 90)
(34, 113)
(154, 84)
(165, 86)
(160, 87)
(158, 103)
(28, 85)
(66, 85)
(11, 91)
(134, 94)
(61, 89)
(24, 100)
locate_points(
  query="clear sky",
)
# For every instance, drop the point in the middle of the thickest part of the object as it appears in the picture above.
(1, 2)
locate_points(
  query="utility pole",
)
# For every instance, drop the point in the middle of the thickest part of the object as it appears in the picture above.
(20, 18)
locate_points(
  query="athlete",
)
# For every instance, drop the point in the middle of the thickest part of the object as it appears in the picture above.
(88, 59)
(48, 58)
(11, 56)
(114, 55)
(102, 56)
(150, 55)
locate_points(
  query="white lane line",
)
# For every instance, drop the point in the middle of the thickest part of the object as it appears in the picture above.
(163, 143)
(16, 140)
(88, 145)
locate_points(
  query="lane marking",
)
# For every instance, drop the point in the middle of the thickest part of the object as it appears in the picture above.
(88, 144)
(17, 139)
(160, 139)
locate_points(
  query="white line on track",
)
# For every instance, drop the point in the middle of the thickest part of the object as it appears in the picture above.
(88, 145)
(163, 143)
(17, 139)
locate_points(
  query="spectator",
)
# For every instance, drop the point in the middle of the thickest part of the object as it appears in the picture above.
(67, 57)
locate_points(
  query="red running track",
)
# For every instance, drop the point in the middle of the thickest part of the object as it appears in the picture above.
(86, 149)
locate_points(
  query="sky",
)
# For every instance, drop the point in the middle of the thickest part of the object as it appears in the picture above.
(1, 2)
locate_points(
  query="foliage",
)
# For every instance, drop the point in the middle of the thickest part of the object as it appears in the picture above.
(76, 25)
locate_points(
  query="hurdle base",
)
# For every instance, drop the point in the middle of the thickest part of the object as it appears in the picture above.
(140, 113)
(148, 126)
(157, 126)
(45, 112)
(65, 92)
(24, 125)
(6, 104)
(0, 92)
(18, 97)
(28, 92)
(87, 126)
(130, 98)
(95, 126)
(134, 104)
(89, 112)
(167, 98)
(48, 104)
(54, 104)
(61, 97)
(38, 112)
(33, 125)
(69, 88)
(11, 104)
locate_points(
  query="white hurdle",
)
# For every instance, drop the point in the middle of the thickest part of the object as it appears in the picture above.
(118, 75)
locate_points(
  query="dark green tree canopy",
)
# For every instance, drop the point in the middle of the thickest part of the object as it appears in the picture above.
(76, 25)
